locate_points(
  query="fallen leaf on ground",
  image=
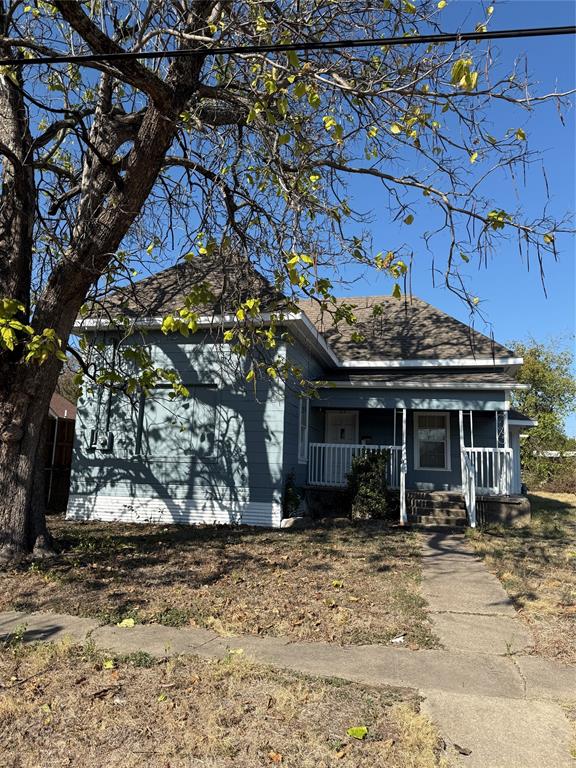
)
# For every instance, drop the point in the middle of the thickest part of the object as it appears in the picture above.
(126, 623)
(275, 757)
(358, 732)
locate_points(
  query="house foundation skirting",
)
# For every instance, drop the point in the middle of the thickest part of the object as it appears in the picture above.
(129, 509)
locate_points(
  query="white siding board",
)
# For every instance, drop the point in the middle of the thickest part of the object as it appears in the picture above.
(127, 509)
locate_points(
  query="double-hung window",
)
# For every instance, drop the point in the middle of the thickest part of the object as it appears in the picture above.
(304, 416)
(432, 440)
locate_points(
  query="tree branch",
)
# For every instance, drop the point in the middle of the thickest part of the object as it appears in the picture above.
(132, 71)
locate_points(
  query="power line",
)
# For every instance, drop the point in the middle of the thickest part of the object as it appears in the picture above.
(321, 45)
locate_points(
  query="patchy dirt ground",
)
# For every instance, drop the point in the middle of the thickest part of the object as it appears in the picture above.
(70, 706)
(358, 584)
(537, 566)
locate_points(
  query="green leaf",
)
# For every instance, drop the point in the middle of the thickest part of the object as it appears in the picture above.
(358, 732)
(396, 291)
(126, 623)
(409, 219)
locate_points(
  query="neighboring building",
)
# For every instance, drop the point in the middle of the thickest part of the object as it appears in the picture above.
(431, 392)
(60, 440)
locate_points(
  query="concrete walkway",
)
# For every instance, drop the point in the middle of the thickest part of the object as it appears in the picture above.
(472, 614)
(500, 706)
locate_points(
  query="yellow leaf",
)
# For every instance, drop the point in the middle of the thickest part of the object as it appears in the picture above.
(358, 732)
(473, 157)
(395, 128)
(442, 4)
(126, 623)
(549, 238)
(409, 219)
(108, 664)
(520, 135)
(250, 375)
(490, 10)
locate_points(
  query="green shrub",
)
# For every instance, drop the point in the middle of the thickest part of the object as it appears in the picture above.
(367, 487)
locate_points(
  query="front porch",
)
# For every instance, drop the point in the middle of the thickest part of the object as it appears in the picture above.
(452, 451)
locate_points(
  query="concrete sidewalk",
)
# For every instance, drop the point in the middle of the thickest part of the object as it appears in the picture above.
(472, 614)
(501, 706)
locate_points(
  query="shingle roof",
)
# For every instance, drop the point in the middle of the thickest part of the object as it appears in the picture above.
(393, 329)
(401, 329)
(499, 377)
(231, 282)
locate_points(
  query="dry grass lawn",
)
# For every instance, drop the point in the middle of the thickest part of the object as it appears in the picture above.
(358, 584)
(70, 706)
(537, 566)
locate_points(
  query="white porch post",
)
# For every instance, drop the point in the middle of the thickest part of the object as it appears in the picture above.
(461, 431)
(403, 468)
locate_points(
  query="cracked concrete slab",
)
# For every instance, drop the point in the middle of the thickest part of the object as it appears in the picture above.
(500, 733)
(482, 633)
(547, 679)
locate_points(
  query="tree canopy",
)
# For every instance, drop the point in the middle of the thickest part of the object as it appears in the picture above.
(548, 370)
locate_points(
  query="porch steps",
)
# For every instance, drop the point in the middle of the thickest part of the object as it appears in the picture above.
(436, 509)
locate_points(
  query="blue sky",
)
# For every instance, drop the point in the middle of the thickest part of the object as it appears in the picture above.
(512, 297)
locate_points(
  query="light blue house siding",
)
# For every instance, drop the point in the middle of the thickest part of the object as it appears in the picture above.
(311, 369)
(215, 457)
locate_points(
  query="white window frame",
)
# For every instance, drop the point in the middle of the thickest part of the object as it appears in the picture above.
(303, 421)
(446, 416)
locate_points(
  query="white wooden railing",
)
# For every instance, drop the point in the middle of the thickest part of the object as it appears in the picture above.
(330, 463)
(492, 470)
(469, 487)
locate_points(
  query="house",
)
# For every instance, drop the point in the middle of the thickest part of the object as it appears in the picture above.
(407, 379)
(60, 439)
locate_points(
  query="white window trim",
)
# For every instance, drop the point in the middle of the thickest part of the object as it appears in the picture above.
(448, 467)
(304, 407)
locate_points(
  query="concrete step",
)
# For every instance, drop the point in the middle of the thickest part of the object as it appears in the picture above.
(441, 495)
(432, 505)
(433, 511)
(438, 521)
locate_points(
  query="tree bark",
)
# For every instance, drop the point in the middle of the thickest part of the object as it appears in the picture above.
(107, 208)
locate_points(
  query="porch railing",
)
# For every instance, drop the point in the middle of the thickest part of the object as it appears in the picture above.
(492, 470)
(330, 463)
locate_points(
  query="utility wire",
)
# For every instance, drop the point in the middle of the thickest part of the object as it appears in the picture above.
(321, 45)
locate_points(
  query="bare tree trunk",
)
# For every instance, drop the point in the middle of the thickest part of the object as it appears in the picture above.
(22, 461)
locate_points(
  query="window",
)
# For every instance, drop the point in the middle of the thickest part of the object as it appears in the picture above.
(177, 427)
(303, 430)
(432, 441)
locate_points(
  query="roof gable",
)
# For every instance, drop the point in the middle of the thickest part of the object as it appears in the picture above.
(230, 281)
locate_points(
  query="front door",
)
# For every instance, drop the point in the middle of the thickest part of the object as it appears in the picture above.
(341, 427)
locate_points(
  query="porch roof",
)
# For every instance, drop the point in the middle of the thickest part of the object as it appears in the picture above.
(426, 379)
